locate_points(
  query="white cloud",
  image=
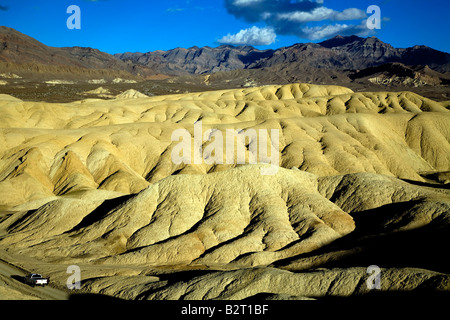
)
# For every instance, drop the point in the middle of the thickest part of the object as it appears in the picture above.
(326, 31)
(253, 36)
(350, 14)
(318, 14)
(243, 3)
(299, 17)
(323, 13)
(329, 31)
(266, 15)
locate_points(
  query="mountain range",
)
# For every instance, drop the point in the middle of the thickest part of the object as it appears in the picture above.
(338, 53)
(339, 60)
(28, 57)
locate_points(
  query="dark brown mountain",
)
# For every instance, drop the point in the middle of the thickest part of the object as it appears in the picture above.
(356, 53)
(372, 52)
(423, 55)
(22, 54)
(337, 54)
(303, 55)
(339, 41)
(195, 60)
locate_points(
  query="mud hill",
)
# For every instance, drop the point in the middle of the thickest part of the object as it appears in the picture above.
(93, 183)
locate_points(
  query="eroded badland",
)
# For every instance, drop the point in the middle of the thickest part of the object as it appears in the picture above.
(363, 180)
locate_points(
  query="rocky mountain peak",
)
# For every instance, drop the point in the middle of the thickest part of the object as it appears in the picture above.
(338, 41)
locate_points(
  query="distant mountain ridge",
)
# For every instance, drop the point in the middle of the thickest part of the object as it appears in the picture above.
(25, 54)
(197, 60)
(338, 53)
(339, 60)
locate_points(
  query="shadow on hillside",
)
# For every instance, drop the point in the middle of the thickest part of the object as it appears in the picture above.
(92, 297)
(372, 244)
(18, 278)
(436, 185)
(371, 297)
(100, 212)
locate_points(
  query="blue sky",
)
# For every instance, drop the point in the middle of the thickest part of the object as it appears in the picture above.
(116, 26)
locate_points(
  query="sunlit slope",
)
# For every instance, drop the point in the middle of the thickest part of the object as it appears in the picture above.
(123, 145)
(235, 217)
(362, 179)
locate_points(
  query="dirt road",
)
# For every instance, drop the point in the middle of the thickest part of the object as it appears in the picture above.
(12, 287)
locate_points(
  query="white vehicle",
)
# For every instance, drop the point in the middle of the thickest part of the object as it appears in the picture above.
(36, 279)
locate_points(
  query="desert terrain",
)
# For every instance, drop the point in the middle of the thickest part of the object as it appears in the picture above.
(362, 180)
